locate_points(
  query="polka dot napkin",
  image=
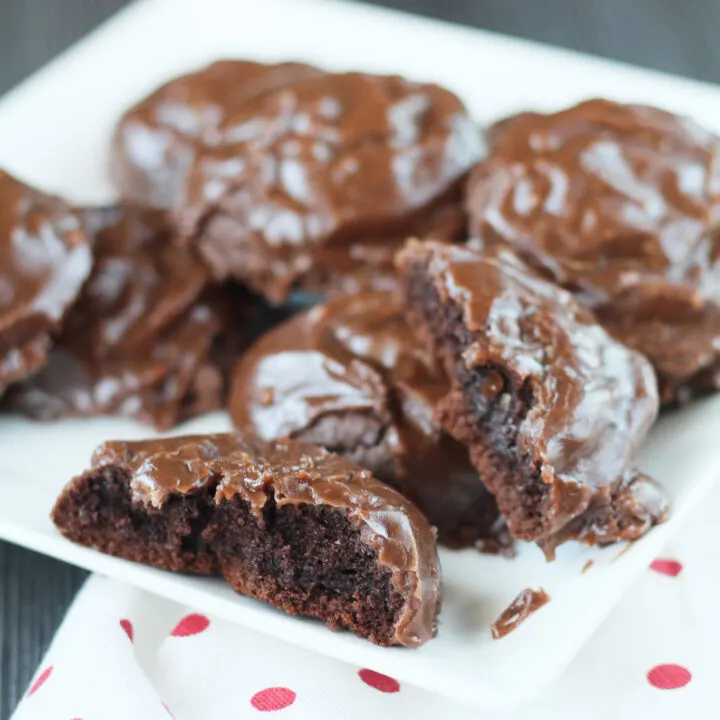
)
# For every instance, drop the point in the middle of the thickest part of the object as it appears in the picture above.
(122, 653)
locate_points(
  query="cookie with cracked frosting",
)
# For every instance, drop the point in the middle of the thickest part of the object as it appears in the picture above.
(286, 523)
(620, 204)
(550, 407)
(286, 176)
(146, 338)
(45, 257)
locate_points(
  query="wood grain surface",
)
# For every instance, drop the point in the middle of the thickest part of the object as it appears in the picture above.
(674, 36)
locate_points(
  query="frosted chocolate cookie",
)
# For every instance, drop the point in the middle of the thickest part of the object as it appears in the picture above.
(289, 524)
(619, 204)
(550, 407)
(45, 257)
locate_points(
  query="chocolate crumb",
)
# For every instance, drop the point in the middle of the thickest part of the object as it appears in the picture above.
(524, 605)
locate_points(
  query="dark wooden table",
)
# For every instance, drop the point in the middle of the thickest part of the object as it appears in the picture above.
(678, 37)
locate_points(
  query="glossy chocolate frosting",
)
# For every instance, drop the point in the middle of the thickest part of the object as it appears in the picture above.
(588, 399)
(351, 376)
(348, 167)
(298, 474)
(620, 205)
(140, 340)
(286, 175)
(156, 141)
(44, 260)
(518, 611)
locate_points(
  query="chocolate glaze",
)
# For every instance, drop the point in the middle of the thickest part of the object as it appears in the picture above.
(351, 376)
(44, 259)
(349, 166)
(299, 177)
(583, 402)
(519, 610)
(297, 474)
(619, 204)
(142, 337)
(157, 140)
(637, 504)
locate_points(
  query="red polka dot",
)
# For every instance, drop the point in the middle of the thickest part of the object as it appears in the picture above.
(191, 625)
(270, 699)
(666, 567)
(42, 678)
(127, 626)
(380, 682)
(669, 677)
(168, 711)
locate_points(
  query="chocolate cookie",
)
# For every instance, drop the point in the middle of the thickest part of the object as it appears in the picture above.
(550, 407)
(349, 375)
(145, 338)
(156, 141)
(44, 260)
(350, 165)
(620, 205)
(300, 178)
(289, 524)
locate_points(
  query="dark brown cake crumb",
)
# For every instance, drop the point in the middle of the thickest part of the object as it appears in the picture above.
(289, 524)
(519, 610)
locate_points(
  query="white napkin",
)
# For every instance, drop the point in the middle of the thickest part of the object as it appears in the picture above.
(123, 654)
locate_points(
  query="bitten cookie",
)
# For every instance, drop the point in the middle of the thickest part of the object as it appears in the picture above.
(289, 524)
(550, 407)
(619, 204)
(350, 375)
(44, 259)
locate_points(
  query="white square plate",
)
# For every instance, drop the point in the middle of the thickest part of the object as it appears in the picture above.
(54, 131)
